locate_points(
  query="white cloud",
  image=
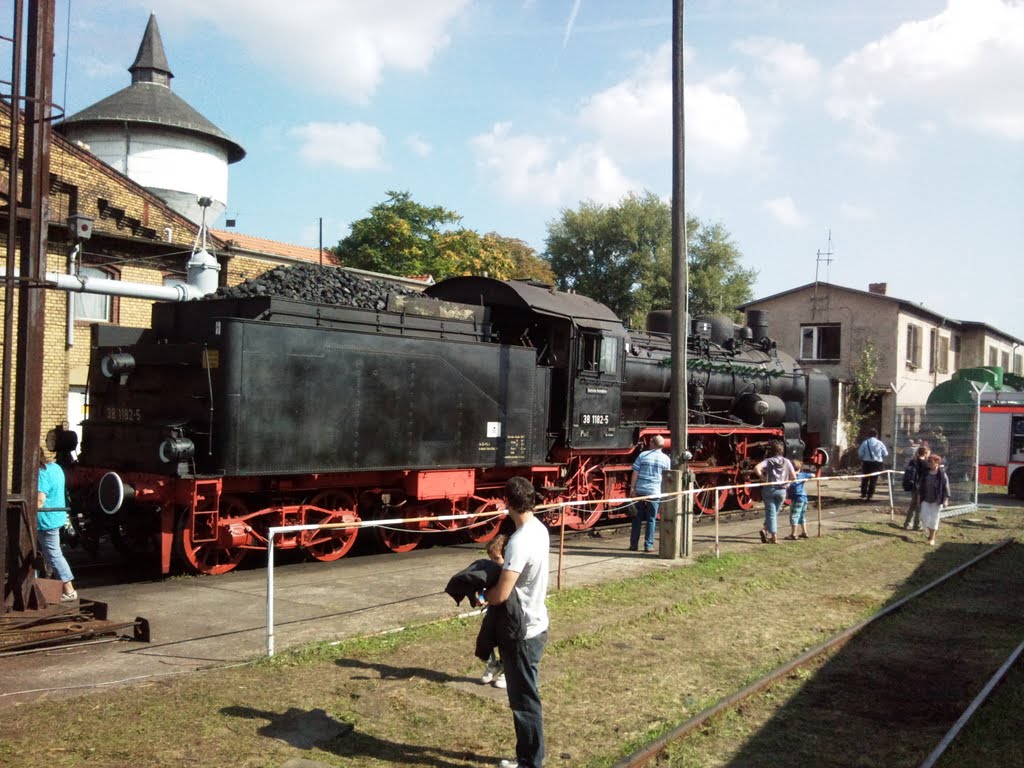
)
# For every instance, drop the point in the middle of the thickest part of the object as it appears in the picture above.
(338, 46)
(633, 118)
(961, 66)
(855, 212)
(785, 67)
(419, 145)
(355, 146)
(785, 212)
(534, 169)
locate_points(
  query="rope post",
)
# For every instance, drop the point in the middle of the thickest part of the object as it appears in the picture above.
(892, 504)
(561, 547)
(684, 503)
(270, 592)
(718, 552)
(817, 492)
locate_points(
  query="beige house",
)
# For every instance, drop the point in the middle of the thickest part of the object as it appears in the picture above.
(826, 327)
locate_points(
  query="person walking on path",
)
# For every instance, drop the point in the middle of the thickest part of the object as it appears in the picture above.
(775, 469)
(798, 503)
(934, 496)
(916, 469)
(872, 453)
(51, 518)
(526, 573)
(646, 481)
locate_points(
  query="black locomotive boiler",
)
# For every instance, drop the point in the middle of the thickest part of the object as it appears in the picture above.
(230, 416)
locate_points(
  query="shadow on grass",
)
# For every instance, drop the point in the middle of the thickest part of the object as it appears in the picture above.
(388, 672)
(315, 728)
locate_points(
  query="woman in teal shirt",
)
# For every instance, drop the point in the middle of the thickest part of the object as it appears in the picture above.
(51, 518)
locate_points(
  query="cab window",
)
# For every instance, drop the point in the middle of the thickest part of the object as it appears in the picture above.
(599, 355)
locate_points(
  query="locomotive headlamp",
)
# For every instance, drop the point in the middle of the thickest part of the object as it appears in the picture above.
(112, 493)
(176, 449)
(117, 364)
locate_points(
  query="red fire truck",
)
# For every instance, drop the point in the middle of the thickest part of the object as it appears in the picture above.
(1001, 443)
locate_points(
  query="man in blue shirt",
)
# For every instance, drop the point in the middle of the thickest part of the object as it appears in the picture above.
(872, 453)
(646, 481)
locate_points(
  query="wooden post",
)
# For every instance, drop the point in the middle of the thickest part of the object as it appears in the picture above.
(817, 491)
(561, 547)
(718, 552)
(669, 539)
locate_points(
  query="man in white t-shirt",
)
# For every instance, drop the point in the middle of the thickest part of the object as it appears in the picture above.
(525, 572)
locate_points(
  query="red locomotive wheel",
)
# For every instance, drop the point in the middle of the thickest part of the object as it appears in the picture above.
(704, 499)
(482, 530)
(329, 545)
(209, 557)
(743, 498)
(402, 538)
(582, 517)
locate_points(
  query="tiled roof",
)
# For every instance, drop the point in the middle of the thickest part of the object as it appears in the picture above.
(261, 246)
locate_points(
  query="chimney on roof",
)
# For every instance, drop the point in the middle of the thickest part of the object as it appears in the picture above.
(879, 288)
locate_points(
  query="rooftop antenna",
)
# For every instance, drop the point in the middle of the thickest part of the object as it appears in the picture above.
(823, 257)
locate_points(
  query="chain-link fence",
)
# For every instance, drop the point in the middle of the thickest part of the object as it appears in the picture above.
(951, 432)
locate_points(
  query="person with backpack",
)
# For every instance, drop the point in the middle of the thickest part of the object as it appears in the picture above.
(934, 495)
(916, 469)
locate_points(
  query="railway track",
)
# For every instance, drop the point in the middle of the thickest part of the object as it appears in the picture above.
(886, 691)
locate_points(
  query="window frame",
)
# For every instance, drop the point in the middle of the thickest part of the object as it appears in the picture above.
(913, 351)
(818, 341)
(111, 301)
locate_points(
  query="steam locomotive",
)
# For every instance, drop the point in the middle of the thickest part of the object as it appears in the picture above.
(230, 416)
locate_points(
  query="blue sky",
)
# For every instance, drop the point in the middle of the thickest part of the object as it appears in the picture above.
(896, 126)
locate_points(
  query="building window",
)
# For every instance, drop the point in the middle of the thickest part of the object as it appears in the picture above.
(820, 342)
(993, 357)
(1018, 364)
(933, 349)
(1005, 361)
(93, 307)
(914, 346)
(942, 355)
(955, 344)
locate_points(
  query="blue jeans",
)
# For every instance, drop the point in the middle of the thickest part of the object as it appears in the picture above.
(774, 498)
(646, 512)
(521, 660)
(49, 543)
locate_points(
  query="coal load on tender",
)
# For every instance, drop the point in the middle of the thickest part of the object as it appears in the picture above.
(318, 285)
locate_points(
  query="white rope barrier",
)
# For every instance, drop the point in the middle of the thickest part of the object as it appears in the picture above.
(400, 523)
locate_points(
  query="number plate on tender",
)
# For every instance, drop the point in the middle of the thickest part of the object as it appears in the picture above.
(116, 413)
(595, 419)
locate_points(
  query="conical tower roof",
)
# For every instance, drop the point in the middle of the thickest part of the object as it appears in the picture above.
(149, 100)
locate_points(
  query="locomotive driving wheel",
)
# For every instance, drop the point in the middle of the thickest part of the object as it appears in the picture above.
(334, 544)
(198, 546)
(743, 497)
(483, 529)
(704, 498)
(400, 537)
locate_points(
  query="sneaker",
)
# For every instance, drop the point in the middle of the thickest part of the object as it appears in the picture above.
(67, 597)
(648, 550)
(491, 671)
(509, 764)
(499, 681)
(632, 549)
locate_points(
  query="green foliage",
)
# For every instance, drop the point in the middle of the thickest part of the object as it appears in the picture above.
(622, 256)
(862, 387)
(403, 237)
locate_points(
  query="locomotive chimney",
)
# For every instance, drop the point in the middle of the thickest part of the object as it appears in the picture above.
(757, 321)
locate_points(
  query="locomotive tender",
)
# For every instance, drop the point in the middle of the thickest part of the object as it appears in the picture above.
(230, 416)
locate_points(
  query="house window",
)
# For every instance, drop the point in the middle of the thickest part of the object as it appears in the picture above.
(942, 361)
(1005, 361)
(820, 342)
(955, 344)
(933, 351)
(914, 346)
(993, 356)
(1018, 364)
(93, 307)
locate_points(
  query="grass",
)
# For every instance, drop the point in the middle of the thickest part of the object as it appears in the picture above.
(626, 662)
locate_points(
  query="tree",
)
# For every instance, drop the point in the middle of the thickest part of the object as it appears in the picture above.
(622, 256)
(403, 237)
(860, 391)
(717, 282)
(399, 237)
